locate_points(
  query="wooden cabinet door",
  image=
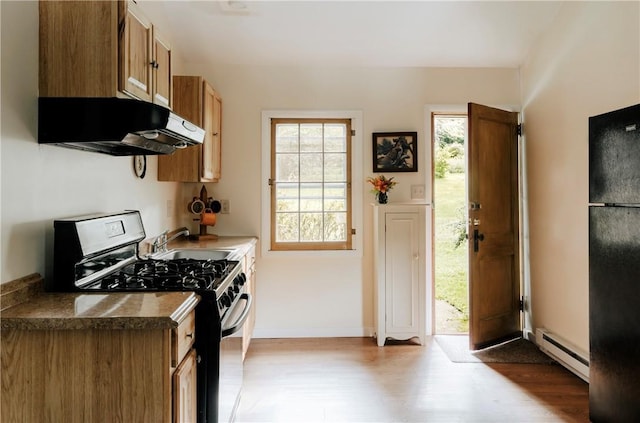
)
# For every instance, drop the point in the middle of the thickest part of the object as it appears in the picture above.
(217, 140)
(161, 71)
(402, 273)
(211, 148)
(184, 390)
(78, 48)
(136, 55)
(195, 100)
(184, 165)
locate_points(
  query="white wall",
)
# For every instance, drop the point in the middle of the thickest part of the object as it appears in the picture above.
(587, 63)
(41, 183)
(320, 296)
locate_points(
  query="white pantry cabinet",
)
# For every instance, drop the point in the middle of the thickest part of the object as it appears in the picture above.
(400, 256)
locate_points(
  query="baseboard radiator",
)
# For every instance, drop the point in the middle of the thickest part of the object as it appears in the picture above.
(564, 352)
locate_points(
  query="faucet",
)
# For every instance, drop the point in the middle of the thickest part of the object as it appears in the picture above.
(160, 243)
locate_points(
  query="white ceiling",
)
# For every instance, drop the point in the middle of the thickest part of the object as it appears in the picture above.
(354, 33)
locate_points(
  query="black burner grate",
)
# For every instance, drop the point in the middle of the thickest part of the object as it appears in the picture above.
(178, 274)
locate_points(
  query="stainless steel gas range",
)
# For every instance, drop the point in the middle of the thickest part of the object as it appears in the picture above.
(100, 253)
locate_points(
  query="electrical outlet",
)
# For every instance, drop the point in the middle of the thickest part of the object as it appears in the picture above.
(417, 192)
(224, 206)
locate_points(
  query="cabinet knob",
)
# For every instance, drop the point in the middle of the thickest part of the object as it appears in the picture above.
(416, 256)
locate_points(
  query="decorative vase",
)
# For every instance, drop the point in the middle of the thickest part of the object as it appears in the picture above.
(382, 198)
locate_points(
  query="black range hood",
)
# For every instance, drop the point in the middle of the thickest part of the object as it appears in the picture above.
(113, 125)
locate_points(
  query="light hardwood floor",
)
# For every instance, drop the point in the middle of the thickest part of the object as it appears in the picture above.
(354, 380)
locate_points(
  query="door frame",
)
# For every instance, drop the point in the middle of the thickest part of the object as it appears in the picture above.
(525, 273)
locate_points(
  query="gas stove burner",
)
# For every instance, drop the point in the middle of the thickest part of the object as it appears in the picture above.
(168, 275)
(192, 282)
(148, 268)
(137, 282)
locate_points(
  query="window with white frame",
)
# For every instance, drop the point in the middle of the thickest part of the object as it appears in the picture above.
(310, 183)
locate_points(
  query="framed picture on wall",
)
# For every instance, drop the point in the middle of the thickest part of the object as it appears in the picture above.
(395, 151)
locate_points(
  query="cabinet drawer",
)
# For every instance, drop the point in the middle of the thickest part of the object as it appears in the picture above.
(182, 339)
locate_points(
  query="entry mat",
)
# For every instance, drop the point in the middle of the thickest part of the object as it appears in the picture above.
(456, 347)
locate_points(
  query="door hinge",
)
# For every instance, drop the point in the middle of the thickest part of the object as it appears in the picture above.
(519, 129)
(353, 132)
(353, 231)
(521, 304)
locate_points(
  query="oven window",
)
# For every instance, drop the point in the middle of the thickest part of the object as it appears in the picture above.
(310, 184)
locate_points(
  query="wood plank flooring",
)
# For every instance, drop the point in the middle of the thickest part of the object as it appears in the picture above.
(354, 380)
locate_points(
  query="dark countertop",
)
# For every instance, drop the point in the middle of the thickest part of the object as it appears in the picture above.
(61, 311)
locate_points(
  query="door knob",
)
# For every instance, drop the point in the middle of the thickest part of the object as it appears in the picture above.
(477, 237)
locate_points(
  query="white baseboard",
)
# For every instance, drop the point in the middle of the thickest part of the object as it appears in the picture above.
(313, 332)
(564, 352)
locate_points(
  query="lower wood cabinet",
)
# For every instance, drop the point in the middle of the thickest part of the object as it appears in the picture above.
(250, 271)
(99, 375)
(184, 390)
(400, 240)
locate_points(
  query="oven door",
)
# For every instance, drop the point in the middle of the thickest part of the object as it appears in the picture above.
(230, 381)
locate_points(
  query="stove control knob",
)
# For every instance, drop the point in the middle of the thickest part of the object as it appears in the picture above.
(236, 288)
(241, 279)
(231, 294)
(225, 301)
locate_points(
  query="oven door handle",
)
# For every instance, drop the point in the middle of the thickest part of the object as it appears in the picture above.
(242, 319)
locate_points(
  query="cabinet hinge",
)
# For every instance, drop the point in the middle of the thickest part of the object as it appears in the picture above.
(353, 132)
(353, 231)
(521, 304)
(519, 129)
(270, 182)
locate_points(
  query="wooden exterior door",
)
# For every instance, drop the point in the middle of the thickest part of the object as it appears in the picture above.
(493, 227)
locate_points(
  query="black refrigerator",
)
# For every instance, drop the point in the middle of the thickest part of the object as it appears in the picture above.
(614, 266)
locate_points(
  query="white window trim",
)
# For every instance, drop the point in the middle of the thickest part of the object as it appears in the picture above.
(357, 180)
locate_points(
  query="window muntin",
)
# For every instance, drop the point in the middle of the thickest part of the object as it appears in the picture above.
(311, 184)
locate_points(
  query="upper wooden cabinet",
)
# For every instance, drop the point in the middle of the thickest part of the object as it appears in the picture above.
(102, 49)
(195, 100)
